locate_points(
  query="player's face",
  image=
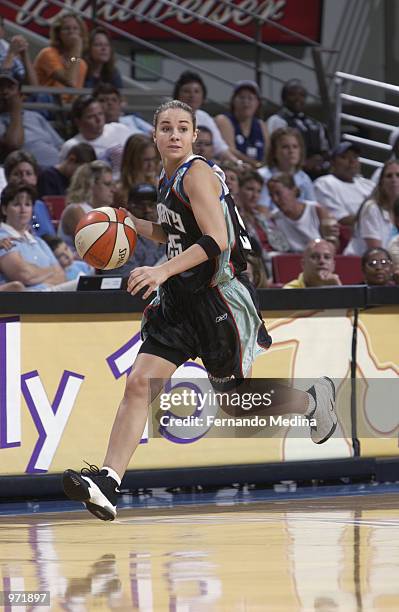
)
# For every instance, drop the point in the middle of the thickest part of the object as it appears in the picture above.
(174, 134)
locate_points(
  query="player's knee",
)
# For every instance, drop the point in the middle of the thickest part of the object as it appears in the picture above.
(137, 385)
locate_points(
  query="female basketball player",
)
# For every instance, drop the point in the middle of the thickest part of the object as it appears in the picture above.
(203, 307)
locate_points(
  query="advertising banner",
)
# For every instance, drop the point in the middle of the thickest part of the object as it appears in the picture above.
(62, 377)
(196, 18)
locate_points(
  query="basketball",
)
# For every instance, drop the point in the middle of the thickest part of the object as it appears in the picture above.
(105, 238)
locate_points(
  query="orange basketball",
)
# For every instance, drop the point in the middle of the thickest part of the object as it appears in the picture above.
(105, 238)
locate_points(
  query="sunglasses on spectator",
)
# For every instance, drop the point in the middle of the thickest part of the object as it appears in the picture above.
(373, 263)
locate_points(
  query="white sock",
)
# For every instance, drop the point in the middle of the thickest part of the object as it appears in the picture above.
(311, 404)
(113, 474)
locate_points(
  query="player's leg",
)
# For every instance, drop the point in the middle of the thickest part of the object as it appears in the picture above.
(96, 488)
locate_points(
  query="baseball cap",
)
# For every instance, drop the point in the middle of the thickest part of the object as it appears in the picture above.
(345, 146)
(247, 85)
(143, 192)
(8, 75)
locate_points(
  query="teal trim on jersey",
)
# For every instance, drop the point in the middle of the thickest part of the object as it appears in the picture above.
(242, 309)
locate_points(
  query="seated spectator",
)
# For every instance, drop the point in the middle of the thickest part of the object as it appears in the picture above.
(21, 168)
(100, 60)
(142, 203)
(107, 139)
(244, 132)
(190, 88)
(286, 154)
(291, 114)
(61, 64)
(343, 191)
(14, 56)
(299, 221)
(204, 143)
(257, 220)
(91, 186)
(256, 270)
(72, 267)
(140, 164)
(374, 222)
(377, 267)
(318, 265)
(232, 173)
(55, 180)
(29, 260)
(112, 103)
(393, 246)
(24, 129)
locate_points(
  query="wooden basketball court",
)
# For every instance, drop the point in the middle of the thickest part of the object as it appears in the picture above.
(323, 554)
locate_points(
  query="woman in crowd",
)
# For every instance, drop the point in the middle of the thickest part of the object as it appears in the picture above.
(244, 132)
(191, 89)
(375, 220)
(100, 59)
(257, 220)
(29, 260)
(377, 267)
(61, 64)
(232, 173)
(300, 222)
(91, 186)
(21, 167)
(140, 164)
(286, 154)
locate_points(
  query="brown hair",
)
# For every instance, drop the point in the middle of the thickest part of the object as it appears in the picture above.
(108, 69)
(275, 138)
(286, 179)
(55, 29)
(378, 193)
(250, 175)
(172, 104)
(132, 157)
(18, 157)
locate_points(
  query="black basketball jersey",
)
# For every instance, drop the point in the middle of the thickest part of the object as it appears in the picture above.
(178, 222)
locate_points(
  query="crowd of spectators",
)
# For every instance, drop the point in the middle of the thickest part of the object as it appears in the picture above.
(294, 191)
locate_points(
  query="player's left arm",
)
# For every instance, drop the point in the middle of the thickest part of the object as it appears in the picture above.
(203, 190)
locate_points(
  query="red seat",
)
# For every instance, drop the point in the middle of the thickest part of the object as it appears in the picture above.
(56, 205)
(288, 266)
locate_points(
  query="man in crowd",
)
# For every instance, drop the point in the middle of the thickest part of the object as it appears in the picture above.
(112, 103)
(107, 139)
(343, 191)
(24, 129)
(318, 265)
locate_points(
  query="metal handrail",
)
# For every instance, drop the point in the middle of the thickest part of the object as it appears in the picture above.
(365, 81)
(367, 141)
(368, 122)
(372, 103)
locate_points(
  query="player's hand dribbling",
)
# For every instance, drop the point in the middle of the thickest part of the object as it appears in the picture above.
(146, 276)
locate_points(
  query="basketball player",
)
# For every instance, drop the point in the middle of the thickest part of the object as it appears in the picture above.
(203, 306)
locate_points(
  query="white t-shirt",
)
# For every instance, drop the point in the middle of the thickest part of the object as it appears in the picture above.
(393, 248)
(299, 232)
(375, 223)
(204, 118)
(342, 198)
(108, 146)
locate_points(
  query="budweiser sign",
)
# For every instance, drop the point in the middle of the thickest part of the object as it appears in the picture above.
(193, 17)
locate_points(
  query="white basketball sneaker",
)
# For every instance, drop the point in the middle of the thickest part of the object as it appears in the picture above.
(323, 393)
